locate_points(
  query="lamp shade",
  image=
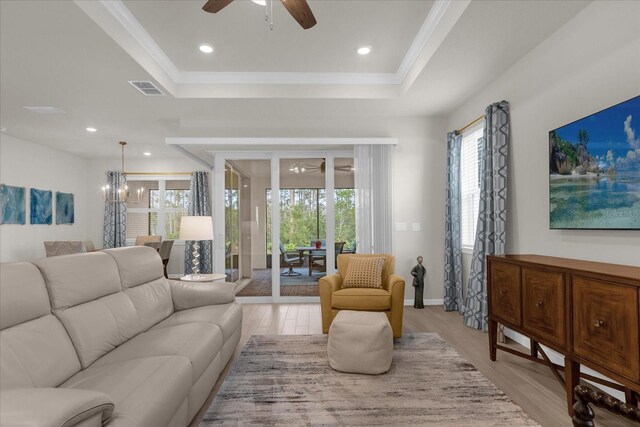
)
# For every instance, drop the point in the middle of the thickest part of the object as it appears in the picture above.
(196, 228)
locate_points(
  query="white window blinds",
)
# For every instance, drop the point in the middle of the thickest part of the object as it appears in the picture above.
(470, 185)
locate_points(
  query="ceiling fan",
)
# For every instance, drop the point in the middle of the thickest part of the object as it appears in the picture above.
(299, 9)
(298, 167)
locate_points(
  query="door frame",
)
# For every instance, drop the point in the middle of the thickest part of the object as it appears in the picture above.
(274, 156)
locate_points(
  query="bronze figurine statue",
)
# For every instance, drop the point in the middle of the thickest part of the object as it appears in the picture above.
(418, 272)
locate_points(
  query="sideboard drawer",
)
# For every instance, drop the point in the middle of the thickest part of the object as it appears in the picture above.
(505, 292)
(605, 325)
(543, 303)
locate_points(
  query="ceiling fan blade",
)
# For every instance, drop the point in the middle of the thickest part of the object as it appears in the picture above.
(301, 12)
(213, 6)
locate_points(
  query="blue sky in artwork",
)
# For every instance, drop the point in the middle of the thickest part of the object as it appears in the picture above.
(610, 129)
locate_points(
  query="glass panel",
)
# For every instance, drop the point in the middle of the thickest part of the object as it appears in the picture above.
(246, 218)
(345, 206)
(232, 226)
(303, 202)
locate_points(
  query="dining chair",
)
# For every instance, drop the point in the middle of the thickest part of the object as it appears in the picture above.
(165, 253)
(64, 247)
(141, 240)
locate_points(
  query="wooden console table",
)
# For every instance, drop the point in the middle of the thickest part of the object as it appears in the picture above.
(587, 311)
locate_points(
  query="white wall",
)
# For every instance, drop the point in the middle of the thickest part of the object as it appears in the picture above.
(30, 165)
(590, 63)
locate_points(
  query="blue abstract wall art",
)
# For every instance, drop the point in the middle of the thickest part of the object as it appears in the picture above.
(13, 204)
(64, 208)
(41, 206)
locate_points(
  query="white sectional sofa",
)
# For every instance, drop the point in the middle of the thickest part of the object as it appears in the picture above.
(104, 339)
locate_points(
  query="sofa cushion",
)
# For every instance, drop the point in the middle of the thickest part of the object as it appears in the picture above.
(197, 342)
(151, 301)
(23, 295)
(227, 316)
(35, 350)
(79, 278)
(99, 326)
(361, 299)
(146, 391)
(137, 265)
(37, 353)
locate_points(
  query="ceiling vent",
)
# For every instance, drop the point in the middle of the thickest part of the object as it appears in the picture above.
(146, 87)
(44, 109)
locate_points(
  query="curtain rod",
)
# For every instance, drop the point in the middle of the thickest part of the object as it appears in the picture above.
(458, 132)
(157, 173)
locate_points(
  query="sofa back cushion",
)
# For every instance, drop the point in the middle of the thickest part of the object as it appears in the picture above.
(35, 349)
(142, 277)
(87, 297)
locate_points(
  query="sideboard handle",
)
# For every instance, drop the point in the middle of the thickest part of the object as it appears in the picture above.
(598, 323)
(540, 303)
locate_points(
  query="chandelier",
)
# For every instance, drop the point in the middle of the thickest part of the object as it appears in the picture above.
(121, 194)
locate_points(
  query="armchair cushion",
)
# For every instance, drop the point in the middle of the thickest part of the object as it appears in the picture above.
(364, 272)
(369, 299)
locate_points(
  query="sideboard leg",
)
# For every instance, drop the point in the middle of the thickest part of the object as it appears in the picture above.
(571, 380)
(493, 339)
(630, 397)
(534, 348)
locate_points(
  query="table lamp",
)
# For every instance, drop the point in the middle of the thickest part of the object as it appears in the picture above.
(196, 229)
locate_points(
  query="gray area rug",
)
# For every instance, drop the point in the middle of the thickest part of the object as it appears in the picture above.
(287, 380)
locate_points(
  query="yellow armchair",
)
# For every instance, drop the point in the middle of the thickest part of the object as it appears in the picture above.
(389, 299)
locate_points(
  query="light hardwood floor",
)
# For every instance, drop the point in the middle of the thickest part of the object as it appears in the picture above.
(530, 385)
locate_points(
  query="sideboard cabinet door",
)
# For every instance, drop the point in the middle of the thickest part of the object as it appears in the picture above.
(543, 304)
(605, 325)
(505, 292)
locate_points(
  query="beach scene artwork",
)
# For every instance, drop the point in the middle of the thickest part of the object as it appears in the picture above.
(594, 170)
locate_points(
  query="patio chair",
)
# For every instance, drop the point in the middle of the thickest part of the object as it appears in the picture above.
(318, 259)
(290, 259)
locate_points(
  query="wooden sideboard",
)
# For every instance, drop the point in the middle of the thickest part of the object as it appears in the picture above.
(587, 311)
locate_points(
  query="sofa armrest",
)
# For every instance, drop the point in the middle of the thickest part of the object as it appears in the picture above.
(191, 295)
(328, 285)
(54, 407)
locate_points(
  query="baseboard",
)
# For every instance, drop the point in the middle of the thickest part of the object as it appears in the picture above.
(558, 359)
(426, 302)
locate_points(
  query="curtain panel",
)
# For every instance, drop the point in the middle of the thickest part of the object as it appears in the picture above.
(452, 238)
(492, 218)
(114, 233)
(373, 182)
(199, 205)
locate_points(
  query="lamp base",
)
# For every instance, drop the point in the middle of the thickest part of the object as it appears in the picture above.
(196, 258)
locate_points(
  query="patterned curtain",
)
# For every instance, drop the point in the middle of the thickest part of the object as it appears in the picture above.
(492, 218)
(115, 213)
(452, 240)
(199, 205)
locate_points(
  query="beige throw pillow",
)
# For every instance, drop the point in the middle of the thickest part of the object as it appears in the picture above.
(364, 272)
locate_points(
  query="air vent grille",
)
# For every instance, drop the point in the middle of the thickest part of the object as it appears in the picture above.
(146, 87)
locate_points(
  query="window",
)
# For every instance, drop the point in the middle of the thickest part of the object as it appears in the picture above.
(470, 186)
(159, 212)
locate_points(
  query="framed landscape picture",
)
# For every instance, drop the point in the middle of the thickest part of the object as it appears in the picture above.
(594, 170)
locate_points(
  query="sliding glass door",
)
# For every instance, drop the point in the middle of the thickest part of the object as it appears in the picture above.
(283, 221)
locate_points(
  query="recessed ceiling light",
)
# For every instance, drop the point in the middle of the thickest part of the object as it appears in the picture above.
(364, 50)
(205, 48)
(260, 2)
(147, 153)
(90, 129)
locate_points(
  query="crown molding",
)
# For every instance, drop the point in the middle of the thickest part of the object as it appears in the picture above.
(118, 21)
(270, 142)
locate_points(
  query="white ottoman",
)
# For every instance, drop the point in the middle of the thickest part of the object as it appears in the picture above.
(360, 342)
